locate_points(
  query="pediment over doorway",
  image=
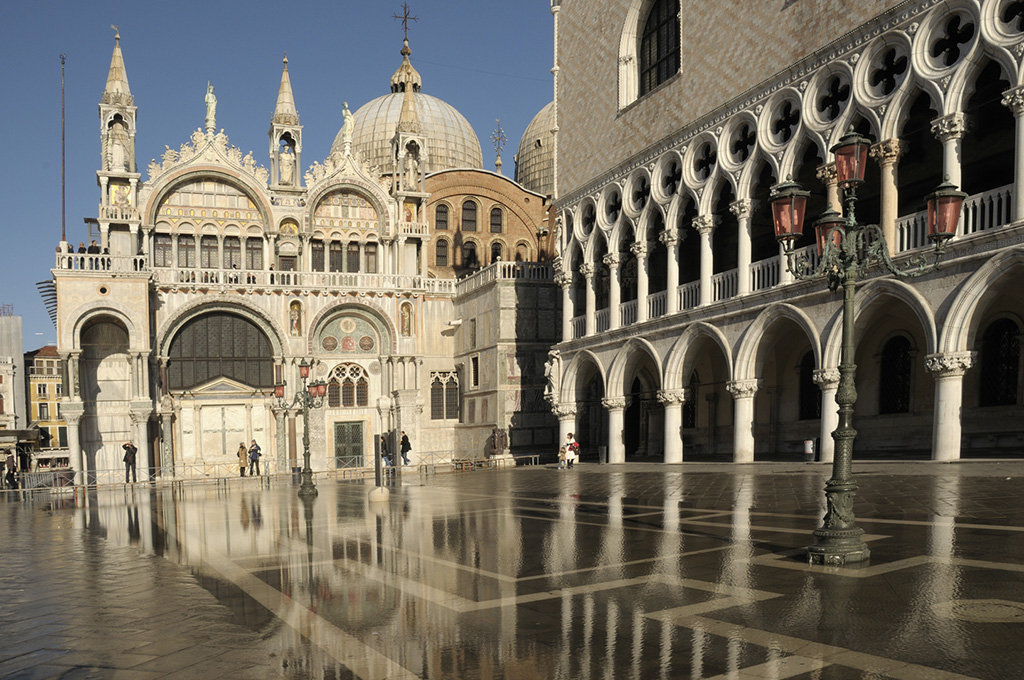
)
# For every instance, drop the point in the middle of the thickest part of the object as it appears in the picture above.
(222, 387)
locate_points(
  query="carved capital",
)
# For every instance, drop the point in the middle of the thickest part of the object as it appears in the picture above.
(704, 224)
(615, 403)
(639, 249)
(827, 174)
(949, 365)
(611, 260)
(587, 269)
(1014, 100)
(950, 127)
(743, 207)
(563, 411)
(669, 237)
(888, 151)
(668, 397)
(743, 389)
(826, 377)
(564, 280)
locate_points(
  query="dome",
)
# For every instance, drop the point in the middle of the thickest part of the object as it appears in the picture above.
(451, 141)
(535, 162)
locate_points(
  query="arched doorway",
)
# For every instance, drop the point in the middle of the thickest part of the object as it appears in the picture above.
(105, 386)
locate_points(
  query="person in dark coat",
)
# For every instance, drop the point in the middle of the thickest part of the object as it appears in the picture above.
(129, 462)
(254, 459)
(406, 448)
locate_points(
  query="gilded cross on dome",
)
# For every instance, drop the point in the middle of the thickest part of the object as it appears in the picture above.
(406, 18)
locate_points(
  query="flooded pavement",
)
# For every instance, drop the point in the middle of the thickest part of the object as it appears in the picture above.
(634, 571)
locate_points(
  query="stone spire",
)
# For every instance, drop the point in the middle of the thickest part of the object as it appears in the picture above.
(407, 80)
(285, 112)
(117, 90)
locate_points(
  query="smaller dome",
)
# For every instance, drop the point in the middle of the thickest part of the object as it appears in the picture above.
(535, 162)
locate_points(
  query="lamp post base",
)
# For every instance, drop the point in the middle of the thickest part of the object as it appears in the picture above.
(308, 491)
(836, 548)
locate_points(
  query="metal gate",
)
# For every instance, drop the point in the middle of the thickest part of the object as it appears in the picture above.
(348, 445)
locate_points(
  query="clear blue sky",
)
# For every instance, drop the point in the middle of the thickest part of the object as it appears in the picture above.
(488, 58)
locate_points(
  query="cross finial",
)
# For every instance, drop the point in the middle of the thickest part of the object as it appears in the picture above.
(406, 18)
(498, 138)
(117, 34)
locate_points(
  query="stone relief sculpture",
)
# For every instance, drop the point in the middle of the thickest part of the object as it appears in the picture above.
(287, 163)
(211, 108)
(553, 374)
(406, 319)
(295, 318)
(346, 129)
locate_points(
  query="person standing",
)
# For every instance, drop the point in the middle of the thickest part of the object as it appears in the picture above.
(572, 448)
(384, 450)
(243, 458)
(11, 465)
(406, 448)
(129, 461)
(254, 459)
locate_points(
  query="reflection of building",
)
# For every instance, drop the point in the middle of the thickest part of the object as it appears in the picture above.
(684, 335)
(45, 384)
(218, 276)
(12, 372)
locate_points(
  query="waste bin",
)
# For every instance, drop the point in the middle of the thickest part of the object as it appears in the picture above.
(808, 450)
(296, 475)
(602, 454)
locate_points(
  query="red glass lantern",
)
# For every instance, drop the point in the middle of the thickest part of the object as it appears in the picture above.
(318, 389)
(944, 205)
(303, 369)
(279, 390)
(828, 221)
(851, 157)
(789, 202)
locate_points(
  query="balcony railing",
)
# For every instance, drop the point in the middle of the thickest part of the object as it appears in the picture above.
(689, 295)
(987, 210)
(102, 263)
(723, 286)
(603, 320)
(505, 271)
(578, 326)
(764, 274)
(627, 312)
(657, 304)
(119, 213)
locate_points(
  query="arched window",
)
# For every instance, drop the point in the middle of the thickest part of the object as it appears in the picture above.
(317, 249)
(352, 263)
(659, 45)
(348, 387)
(810, 393)
(497, 221)
(496, 252)
(220, 344)
(254, 253)
(371, 258)
(232, 252)
(1000, 363)
(441, 253)
(469, 255)
(162, 251)
(335, 256)
(186, 250)
(441, 217)
(469, 216)
(208, 252)
(894, 381)
(444, 396)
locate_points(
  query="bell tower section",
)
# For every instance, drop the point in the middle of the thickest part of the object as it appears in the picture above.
(285, 139)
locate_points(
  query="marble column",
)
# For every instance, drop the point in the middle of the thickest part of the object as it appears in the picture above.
(827, 379)
(590, 325)
(741, 209)
(166, 442)
(566, 414)
(73, 418)
(743, 392)
(948, 370)
(611, 260)
(672, 400)
(280, 439)
(1014, 100)
(705, 226)
(887, 154)
(829, 178)
(616, 442)
(670, 238)
(639, 250)
(564, 281)
(950, 131)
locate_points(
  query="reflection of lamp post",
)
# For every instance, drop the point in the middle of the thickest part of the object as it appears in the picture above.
(847, 249)
(310, 396)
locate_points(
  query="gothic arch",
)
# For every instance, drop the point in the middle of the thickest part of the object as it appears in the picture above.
(676, 359)
(625, 359)
(567, 391)
(960, 326)
(961, 87)
(172, 325)
(751, 341)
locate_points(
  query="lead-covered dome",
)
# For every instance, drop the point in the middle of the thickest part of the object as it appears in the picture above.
(451, 141)
(535, 162)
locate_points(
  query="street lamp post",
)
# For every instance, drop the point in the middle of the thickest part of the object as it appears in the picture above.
(310, 396)
(846, 250)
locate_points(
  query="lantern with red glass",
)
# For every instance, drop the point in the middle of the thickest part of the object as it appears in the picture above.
(944, 206)
(303, 369)
(851, 157)
(824, 225)
(279, 390)
(789, 202)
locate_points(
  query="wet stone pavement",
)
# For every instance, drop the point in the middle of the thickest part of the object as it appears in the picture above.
(636, 571)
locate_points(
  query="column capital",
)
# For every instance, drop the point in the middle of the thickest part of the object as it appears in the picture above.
(587, 269)
(742, 207)
(564, 411)
(1014, 100)
(743, 389)
(615, 403)
(827, 174)
(669, 237)
(611, 260)
(704, 224)
(950, 127)
(949, 365)
(564, 280)
(671, 397)
(888, 151)
(826, 377)
(638, 248)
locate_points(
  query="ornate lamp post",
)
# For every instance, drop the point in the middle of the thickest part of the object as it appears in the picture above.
(847, 250)
(310, 396)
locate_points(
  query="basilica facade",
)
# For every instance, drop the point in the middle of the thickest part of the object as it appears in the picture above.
(217, 278)
(685, 336)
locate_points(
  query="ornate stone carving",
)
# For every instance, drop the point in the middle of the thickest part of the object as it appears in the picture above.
(704, 224)
(587, 269)
(949, 127)
(827, 174)
(826, 377)
(888, 151)
(1014, 100)
(209, 149)
(742, 208)
(611, 260)
(668, 397)
(949, 365)
(743, 389)
(669, 238)
(639, 249)
(563, 411)
(615, 403)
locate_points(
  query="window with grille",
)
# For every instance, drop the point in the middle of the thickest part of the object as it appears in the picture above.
(894, 381)
(317, 249)
(441, 253)
(444, 396)
(353, 257)
(162, 251)
(659, 45)
(216, 345)
(186, 250)
(208, 252)
(336, 257)
(44, 411)
(1000, 363)
(469, 216)
(496, 252)
(497, 221)
(254, 253)
(469, 258)
(810, 393)
(232, 252)
(441, 217)
(41, 389)
(349, 386)
(371, 258)
(474, 371)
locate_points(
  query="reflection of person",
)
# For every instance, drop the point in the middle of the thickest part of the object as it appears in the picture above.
(406, 448)
(254, 459)
(562, 457)
(129, 461)
(243, 459)
(11, 465)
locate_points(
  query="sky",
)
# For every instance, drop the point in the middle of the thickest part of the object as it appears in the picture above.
(490, 59)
